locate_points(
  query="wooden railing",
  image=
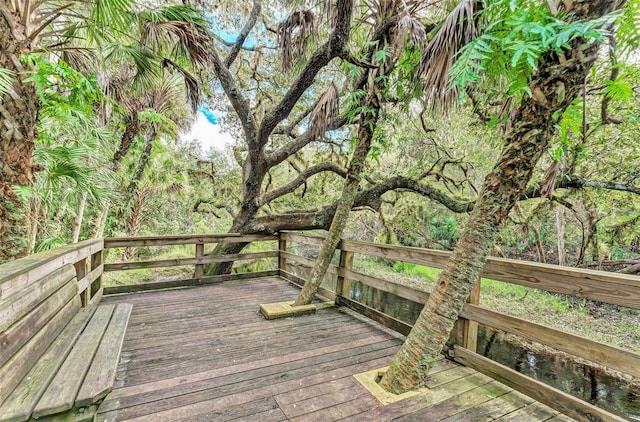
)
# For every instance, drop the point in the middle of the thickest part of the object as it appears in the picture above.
(198, 261)
(622, 290)
(85, 256)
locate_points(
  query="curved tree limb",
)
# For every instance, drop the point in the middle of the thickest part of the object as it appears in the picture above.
(299, 181)
(278, 156)
(371, 198)
(238, 101)
(244, 33)
(320, 58)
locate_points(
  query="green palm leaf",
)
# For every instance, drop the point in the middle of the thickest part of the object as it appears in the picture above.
(6, 76)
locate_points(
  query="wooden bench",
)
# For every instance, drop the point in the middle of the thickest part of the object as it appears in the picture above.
(59, 350)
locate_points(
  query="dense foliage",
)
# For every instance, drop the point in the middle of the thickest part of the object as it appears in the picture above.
(110, 161)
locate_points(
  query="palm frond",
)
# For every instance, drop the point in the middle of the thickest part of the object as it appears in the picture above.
(459, 28)
(416, 30)
(192, 88)
(79, 58)
(628, 26)
(549, 179)
(293, 35)
(179, 28)
(325, 111)
(328, 13)
(50, 243)
(115, 14)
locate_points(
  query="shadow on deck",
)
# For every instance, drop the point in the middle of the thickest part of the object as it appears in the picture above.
(207, 354)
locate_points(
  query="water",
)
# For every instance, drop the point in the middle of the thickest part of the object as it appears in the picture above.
(586, 382)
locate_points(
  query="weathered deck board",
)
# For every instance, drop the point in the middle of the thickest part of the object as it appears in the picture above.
(205, 354)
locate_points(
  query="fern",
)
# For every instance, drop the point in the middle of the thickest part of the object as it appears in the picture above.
(510, 48)
(619, 90)
(628, 27)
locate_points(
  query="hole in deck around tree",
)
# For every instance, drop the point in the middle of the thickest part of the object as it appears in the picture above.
(370, 379)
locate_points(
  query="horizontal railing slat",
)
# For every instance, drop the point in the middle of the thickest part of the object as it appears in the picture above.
(302, 238)
(602, 286)
(191, 282)
(92, 276)
(559, 400)
(609, 356)
(122, 242)
(121, 266)
(16, 275)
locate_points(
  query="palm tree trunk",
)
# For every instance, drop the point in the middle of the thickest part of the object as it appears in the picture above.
(533, 128)
(19, 109)
(132, 128)
(100, 222)
(143, 161)
(363, 145)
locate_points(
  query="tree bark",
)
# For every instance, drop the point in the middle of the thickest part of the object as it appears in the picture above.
(351, 184)
(100, 223)
(19, 109)
(143, 161)
(35, 215)
(132, 128)
(539, 246)
(77, 223)
(533, 128)
(560, 235)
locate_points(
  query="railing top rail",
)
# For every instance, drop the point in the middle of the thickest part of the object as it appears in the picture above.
(603, 286)
(119, 242)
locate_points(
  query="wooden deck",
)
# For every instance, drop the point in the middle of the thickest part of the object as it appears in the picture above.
(205, 354)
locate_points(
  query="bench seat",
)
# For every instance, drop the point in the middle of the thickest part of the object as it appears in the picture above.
(75, 372)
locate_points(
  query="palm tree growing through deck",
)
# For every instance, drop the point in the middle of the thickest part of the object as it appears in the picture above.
(390, 14)
(557, 75)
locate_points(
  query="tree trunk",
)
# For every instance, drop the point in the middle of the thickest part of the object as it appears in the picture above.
(560, 235)
(35, 215)
(533, 128)
(77, 223)
(539, 247)
(143, 161)
(351, 184)
(132, 128)
(100, 223)
(19, 109)
(368, 119)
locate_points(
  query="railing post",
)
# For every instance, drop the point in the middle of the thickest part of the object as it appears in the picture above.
(471, 327)
(342, 284)
(81, 272)
(199, 271)
(465, 332)
(96, 287)
(282, 247)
